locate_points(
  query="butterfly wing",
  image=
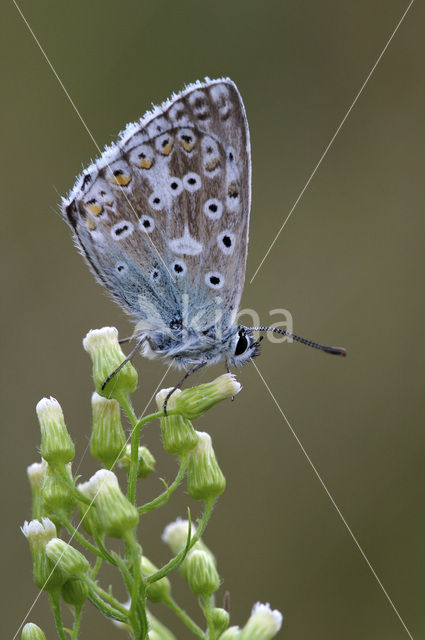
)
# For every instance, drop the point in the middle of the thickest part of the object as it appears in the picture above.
(162, 217)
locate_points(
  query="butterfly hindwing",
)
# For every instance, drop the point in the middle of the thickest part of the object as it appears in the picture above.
(162, 218)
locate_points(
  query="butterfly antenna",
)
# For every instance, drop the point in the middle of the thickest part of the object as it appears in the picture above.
(336, 351)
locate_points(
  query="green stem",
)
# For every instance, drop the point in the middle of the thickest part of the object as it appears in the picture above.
(178, 559)
(170, 602)
(136, 427)
(138, 618)
(106, 609)
(95, 569)
(164, 497)
(105, 595)
(127, 577)
(104, 551)
(54, 600)
(77, 622)
(207, 604)
(65, 522)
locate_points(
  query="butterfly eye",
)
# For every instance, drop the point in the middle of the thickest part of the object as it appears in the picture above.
(241, 345)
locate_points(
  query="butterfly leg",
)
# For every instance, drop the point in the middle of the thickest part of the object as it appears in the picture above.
(179, 384)
(127, 359)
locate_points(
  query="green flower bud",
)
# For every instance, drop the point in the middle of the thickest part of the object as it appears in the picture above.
(263, 623)
(201, 573)
(116, 514)
(58, 498)
(36, 473)
(107, 441)
(158, 591)
(220, 620)
(107, 355)
(38, 535)
(204, 476)
(232, 633)
(175, 536)
(146, 461)
(75, 592)
(56, 444)
(32, 631)
(192, 403)
(178, 435)
(68, 560)
(88, 513)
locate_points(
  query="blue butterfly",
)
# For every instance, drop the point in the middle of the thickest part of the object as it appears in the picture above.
(162, 219)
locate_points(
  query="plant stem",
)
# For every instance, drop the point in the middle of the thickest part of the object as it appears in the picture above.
(77, 622)
(138, 618)
(106, 609)
(164, 497)
(107, 596)
(136, 427)
(54, 600)
(65, 522)
(170, 602)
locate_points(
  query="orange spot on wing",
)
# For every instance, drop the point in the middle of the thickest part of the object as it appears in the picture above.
(95, 209)
(121, 180)
(145, 163)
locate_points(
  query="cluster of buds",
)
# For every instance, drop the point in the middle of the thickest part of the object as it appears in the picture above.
(61, 569)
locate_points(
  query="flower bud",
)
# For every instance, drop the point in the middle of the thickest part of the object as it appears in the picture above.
(192, 403)
(219, 619)
(175, 536)
(201, 573)
(116, 513)
(178, 435)
(75, 592)
(107, 355)
(146, 461)
(263, 623)
(32, 631)
(158, 591)
(107, 441)
(56, 444)
(204, 476)
(36, 473)
(38, 535)
(58, 497)
(232, 633)
(88, 512)
(68, 560)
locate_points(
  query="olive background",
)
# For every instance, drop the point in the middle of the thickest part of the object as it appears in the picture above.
(347, 266)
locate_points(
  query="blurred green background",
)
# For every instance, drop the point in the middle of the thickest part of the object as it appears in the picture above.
(347, 266)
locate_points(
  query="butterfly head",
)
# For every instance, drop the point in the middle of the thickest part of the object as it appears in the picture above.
(242, 347)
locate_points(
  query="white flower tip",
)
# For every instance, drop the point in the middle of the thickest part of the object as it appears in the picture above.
(229, 384)
(48, 405)
(161, 395)
(99, 401)
(233, 381)
(36, 528)
(102, 478)
(273, 617)
(176, 531)
(36, 470)
(204, 441)
(99, 336)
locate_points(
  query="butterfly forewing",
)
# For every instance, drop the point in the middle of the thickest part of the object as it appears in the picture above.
(162, 218)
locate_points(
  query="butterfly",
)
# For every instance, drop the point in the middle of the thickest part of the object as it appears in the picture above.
(162, 219)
